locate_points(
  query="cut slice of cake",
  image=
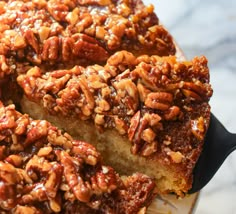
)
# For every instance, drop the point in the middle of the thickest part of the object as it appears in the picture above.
(43, 170)
(147, 114)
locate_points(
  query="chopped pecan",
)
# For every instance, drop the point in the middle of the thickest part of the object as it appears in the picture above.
(86, 151)
(4, 67)
(82, 190)
(7, 118)
(152, 118)
(45, 189)
(9, 179)
(127, 89)
(56, 138)
(88, 47)
(44, 33)
(51, 48)
(134, 123)
(31, 40)
(172, 113)
(89, 99)
(99, 119)
(15, 160)
(67, 49)
(191, 95)
(143, 92)
(160, 38)
(121, 60)
(57, 10)
(148, 135)
(22, 123)
(149, 148)
(37, 130)
(120, 125)
(198, 128)
(177, 157)
(45, 151)
(142, 136)
(73, 16)
(104, 180)
(9, 174)
(150, 77)
(102, 106)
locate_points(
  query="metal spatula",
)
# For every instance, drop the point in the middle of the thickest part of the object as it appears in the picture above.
(219, 143)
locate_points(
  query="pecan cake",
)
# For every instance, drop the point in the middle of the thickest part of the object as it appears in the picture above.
(147, 114)
(105, 71)
(43, 170)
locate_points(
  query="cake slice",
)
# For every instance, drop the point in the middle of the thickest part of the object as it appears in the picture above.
(147, 113)
(43, 170)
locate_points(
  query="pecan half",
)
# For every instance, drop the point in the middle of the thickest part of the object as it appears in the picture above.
(159, 100)
(81, 189)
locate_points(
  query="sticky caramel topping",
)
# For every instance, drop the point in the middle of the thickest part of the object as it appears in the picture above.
(135, 95)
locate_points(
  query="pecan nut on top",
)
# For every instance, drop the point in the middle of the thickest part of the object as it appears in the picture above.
(141, 97)
(45, 171)
(56, 31)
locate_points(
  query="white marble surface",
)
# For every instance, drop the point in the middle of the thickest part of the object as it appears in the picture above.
(204, 27)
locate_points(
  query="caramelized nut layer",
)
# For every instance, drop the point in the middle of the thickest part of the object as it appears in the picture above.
(137, 96)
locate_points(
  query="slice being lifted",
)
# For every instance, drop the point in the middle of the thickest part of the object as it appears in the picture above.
(45, 171)
(147, 114)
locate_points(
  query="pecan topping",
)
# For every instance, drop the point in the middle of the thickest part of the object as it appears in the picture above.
(134, 95)
(55, 32)
(51, 171)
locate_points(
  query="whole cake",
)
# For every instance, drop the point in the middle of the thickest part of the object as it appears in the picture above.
(107, 72)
